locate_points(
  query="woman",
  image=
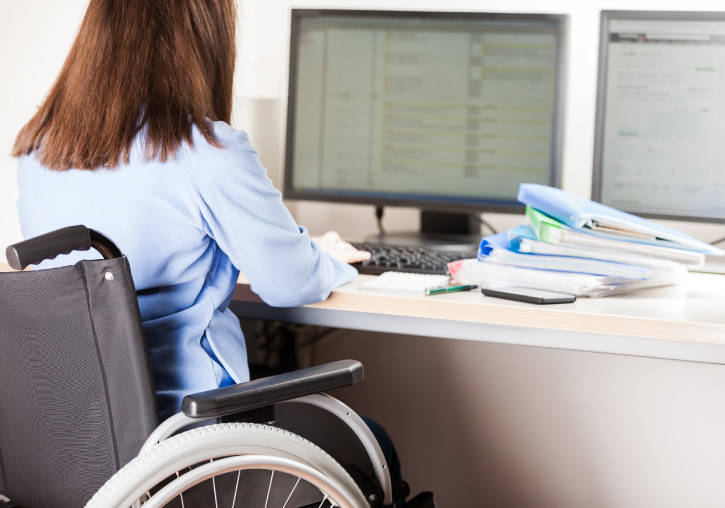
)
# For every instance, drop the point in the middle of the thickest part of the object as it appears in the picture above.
(134, 140)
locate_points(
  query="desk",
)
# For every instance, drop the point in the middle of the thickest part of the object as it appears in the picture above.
(685, 322)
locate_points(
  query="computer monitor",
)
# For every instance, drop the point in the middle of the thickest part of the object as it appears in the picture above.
(660, 126)
(437, 110)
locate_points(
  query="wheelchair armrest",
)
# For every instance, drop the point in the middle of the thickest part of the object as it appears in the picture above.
(269, 390)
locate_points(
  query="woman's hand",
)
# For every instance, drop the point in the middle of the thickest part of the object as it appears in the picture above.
(335, 246)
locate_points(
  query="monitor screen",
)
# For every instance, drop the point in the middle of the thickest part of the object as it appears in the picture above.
(427, 109)
(660, 126)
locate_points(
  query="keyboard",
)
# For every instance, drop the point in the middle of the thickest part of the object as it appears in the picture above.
(398, 258)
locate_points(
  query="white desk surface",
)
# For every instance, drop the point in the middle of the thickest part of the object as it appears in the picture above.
(684, 322)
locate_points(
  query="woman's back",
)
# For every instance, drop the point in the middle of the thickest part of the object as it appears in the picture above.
(187, 225)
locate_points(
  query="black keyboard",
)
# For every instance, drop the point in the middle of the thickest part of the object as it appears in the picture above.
(398, 258)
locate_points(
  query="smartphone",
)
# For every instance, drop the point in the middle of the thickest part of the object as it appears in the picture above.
(529, 295)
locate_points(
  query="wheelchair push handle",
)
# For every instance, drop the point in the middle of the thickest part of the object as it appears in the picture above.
(61, 241)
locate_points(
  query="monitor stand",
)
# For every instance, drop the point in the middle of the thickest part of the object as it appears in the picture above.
(439, 231)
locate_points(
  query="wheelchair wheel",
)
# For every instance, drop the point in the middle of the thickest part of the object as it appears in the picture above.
(231, 465)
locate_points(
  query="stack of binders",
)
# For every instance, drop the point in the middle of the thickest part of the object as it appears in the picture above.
(576, 246)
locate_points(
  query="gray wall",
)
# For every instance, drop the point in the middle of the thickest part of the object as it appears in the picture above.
(503, 426)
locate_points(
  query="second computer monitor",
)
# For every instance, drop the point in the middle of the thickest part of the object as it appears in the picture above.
(430, 109)
(660, 130)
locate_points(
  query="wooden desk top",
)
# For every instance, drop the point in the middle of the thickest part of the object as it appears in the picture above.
(695, 310)
(684, 322)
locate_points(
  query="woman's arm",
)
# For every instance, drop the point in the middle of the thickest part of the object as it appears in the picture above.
(244, 213)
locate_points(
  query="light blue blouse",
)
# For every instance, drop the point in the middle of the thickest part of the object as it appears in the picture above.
(188, 226)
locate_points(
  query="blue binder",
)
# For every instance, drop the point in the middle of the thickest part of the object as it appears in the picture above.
(498, 249)
(588, 216)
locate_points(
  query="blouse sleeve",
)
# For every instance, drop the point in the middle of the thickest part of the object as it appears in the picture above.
(243, 212)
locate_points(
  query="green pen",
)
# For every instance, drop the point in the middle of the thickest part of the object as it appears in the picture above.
(449, 289)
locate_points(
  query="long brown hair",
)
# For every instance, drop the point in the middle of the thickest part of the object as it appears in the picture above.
(156, 65)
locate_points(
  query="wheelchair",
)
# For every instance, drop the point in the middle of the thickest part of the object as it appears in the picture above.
(78, 418)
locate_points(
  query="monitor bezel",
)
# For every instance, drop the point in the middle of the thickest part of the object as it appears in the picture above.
(432, 202)
(597, 170)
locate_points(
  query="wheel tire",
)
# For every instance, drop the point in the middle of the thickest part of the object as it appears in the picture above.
(215, 441)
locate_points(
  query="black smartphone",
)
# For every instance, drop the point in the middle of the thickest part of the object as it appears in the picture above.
(529, 295)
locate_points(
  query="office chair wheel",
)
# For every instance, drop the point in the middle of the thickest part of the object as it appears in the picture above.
(231, 464)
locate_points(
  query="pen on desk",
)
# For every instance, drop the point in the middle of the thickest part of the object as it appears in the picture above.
(449, 289)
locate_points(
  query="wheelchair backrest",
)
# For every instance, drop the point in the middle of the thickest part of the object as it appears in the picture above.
(76, 392)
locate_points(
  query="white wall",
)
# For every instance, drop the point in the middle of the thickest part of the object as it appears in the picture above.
(36, 34)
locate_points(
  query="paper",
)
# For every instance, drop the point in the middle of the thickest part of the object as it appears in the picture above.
(408, 282)
(490, 275)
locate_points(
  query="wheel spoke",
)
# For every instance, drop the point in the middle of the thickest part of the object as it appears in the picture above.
(213, 486)
(323, 501)
(269, 488)
(236, 487)
(181, 496)
(290, 494)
